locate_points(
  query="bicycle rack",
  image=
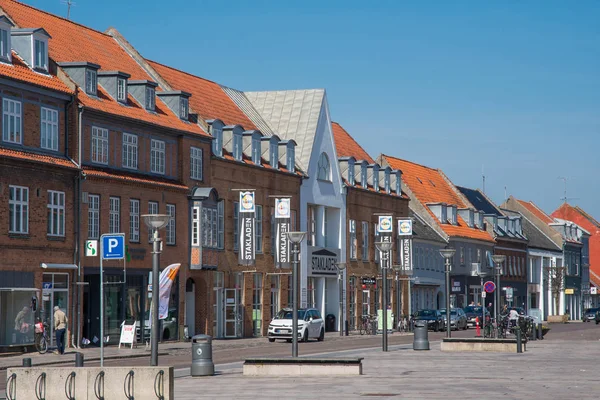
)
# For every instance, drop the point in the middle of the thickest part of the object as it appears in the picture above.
(40, 387)
(128, 385)
(159, 385)
(70, 386)
(11, 387)
(99, 386)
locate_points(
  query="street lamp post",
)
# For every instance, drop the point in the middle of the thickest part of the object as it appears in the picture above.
(296, 238)
(155, 222)
(498, 259)
(448, 253)
(481, 275)
(341, 267)
(384, 247)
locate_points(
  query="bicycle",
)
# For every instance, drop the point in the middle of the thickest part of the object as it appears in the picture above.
(41, 337)
(489, 329)
(366, 325)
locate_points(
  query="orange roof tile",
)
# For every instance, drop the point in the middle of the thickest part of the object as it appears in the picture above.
(35, 157)
(208, 98)
(535, 210)
(346, 146)
(98, 173)
(430, 186)
(72, 42)
(19, 71)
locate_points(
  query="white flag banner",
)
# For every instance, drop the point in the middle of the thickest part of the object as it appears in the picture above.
(167, 277)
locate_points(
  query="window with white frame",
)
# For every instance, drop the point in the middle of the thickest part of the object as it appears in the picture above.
(387, 182)
(157, 156)
(365, 241)
(274, 155)
(323, 168)
(221, 224)
(114, 215)
(196, 226)
(150, 101)
(134, 220)
(56, 213)
(18, 209)
(258, 229)
(49, 129)
(130, 151)
(398, 183)
(5, 44)
(210, 222)
(99, 145)
(183, 108)
(376, 178)
(196, 163)
(256, 150)
(236, 227)
(41, 55)
(93, 216)
(171, 226)
(12, 121)
(91, 82)
(311, 227)
(351, 179)
(363, 176)
(152, 209)
(353, 243)
(217, 134)
(121, 90)
(291, 158)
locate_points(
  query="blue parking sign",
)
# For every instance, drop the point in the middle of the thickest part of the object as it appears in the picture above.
(113, 246)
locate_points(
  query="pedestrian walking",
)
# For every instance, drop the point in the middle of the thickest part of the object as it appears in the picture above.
(60, 326)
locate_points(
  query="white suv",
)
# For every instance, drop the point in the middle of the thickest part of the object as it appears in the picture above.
(310, 325)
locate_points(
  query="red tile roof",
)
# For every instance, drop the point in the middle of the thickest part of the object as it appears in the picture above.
(72, 42)
(208, 98)
(37, 158)
(19, 71)
(430, 186)
(346, 146)
(133, 179)
(535, 210)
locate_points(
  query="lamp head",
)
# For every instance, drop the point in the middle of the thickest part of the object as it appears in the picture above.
(296, 237)
(383, 246)
(499, 258)
(447, 253)
(341, 266)
(156, 221)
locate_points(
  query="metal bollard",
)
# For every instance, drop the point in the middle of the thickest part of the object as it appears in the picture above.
(346, 327)
(374, 327)
(78, 360)
(27, 363)
(539, 332)
(519, 340)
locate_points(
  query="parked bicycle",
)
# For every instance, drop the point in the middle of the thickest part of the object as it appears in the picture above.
(366, 325)
(42, 341)
(404, 325)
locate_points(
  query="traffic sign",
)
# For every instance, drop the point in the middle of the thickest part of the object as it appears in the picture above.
(509, 293)
(483, 295)
(489, 286)
(91, 248)
(113, 246)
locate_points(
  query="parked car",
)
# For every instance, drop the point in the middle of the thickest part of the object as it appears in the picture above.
(458, 319)
(432, 318)
(310, 325)
(168, 326)
(590, 314)
(597, 319)
(472, 312)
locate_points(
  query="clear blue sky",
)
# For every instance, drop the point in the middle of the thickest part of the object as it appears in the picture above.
(509, 85)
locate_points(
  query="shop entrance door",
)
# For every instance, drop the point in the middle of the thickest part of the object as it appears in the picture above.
(232, 314)
(55, 293)
(219, 311)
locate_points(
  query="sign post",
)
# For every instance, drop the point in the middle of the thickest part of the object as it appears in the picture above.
(405, 232)
(112, 247)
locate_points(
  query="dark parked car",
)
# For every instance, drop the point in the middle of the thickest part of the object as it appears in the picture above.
(597, 319)
(590, 314)
(473, 312)
(432, 318)
(458, 319)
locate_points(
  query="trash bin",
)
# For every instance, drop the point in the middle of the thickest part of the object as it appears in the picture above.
(330, 323)
(421, 337)
(202, 363)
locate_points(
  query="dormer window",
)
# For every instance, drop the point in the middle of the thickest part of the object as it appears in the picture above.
(183, 108)
(217, 133)
(41, 55)
(237, 146)
(444, 218)
(398, 183)
(376, 178)
(5, 44)
(291, 157)
(256, 150)
(351, 172)
(453, 217)
(91, 82)
(150, 100)
(387, 182)
(363, 176)
(274, 154)
(121, 90)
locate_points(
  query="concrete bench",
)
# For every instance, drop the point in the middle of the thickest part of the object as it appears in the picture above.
(481, 344)
(302, 366)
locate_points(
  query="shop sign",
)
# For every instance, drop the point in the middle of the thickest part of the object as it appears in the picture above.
(91, 248)
(385, 224)
(405, 227)
(368, 281)
(127, 334)
(282, 227)
(593, 290)
(456, 285)
(406, 254)
(246, 254)
(569, 291)
(323, 262)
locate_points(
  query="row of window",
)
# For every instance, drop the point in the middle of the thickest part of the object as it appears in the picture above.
(114, 218)
(12, 124)
(18, 215)
(130, 151)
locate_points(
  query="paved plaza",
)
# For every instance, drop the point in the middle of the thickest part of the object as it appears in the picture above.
(547, 370)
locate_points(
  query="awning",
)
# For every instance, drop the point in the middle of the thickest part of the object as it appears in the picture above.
(58, 266)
